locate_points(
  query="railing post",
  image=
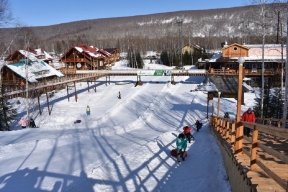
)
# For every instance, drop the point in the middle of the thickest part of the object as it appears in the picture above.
(254, 148)
(239, 138)
(233, 134)
(227, 130)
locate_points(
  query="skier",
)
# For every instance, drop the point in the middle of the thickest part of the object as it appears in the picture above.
(181, 144)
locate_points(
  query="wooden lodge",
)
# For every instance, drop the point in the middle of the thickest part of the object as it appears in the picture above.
(30, 53)
(227, 62)
(84, 57)
(15, 74)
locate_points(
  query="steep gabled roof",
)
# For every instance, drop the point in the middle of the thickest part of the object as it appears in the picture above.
(31, 54)
(237, 45)
(89, 51)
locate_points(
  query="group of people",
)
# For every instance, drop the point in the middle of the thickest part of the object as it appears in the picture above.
(183, 138)
(23, 122)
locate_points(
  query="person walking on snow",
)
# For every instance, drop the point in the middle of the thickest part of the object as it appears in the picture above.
(23, 122)
(187, 133)
(181, 144)
(198, 125)
(88, 110)
(248, 116)
(119, 95)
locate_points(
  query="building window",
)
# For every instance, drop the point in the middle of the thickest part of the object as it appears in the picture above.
(235, 48)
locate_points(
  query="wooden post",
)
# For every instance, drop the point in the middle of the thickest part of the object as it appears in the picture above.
(48, 105)
(239, 138)
(88, 86)
(227, 130)
(39, 106)
(95, 84)
(68, 92)
(239, 127)
(254, 149)
(233, 134)
(75, 91)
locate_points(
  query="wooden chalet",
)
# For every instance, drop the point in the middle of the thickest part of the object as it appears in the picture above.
(29, 53)
(84, 57)
(227, 62)
(15, 74)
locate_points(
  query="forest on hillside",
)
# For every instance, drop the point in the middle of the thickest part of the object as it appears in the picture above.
(158, 32)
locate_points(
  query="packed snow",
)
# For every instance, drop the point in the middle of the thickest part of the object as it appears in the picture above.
(124, 145)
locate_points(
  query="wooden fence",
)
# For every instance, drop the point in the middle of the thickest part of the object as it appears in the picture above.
(266, 152)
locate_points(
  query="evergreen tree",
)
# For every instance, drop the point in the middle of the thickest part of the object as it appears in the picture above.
(176, 60)
(164, 58)
(139, 61)
(276, 104)
(7, 114)
(186, 58)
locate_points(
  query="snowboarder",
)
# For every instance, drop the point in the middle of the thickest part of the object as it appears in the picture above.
(187, 133)
(181, 144)
(88, 110)
(119, 95)
(23, 122)
(32, 123)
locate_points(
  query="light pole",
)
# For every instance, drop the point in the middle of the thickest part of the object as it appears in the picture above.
(219, 93)
(239, 127)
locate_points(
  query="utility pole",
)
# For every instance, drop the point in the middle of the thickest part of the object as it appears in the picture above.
(180, 22)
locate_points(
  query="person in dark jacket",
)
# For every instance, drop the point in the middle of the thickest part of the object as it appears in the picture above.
(226, 115)
(198, 125)
(181, 144)
(32, 123)
(119, 96)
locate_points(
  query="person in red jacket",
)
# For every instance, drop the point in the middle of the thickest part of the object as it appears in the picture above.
(248, 116)
(187, 133)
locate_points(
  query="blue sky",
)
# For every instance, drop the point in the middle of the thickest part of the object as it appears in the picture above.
(50, 12)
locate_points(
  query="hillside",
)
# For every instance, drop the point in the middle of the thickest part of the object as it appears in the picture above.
(214, 25)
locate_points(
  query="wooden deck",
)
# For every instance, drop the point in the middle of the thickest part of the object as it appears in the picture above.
(270, 148)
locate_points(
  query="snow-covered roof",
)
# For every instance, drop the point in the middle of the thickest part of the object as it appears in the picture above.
(37, 69)
(92, 51)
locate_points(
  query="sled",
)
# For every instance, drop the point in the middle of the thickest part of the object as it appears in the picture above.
(173, 152)
(77, 121)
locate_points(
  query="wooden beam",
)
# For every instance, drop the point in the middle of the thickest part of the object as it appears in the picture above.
(254, 149)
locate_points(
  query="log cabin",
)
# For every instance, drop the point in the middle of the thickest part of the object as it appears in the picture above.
(226, 62)
(84, 57)
(34, 71)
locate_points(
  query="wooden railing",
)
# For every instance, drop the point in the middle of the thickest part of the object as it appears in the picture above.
(273, 122)
(232, 133)
(245, 71)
